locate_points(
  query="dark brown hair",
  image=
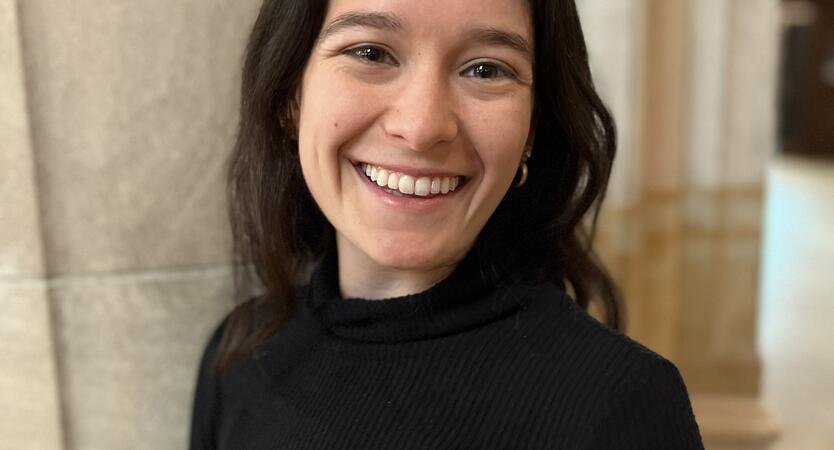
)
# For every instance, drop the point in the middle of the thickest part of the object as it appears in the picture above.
(536, 232)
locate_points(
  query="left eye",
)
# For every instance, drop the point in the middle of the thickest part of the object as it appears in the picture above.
(487, 71)
(370, 55)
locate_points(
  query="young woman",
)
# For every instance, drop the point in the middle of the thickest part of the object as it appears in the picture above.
(432, 161)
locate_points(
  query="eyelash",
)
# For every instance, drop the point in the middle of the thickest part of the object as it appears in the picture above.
(353, 53)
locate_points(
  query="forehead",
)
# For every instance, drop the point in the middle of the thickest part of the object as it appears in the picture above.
(440, 18)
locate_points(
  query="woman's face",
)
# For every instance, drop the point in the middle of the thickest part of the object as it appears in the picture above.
(432, 98)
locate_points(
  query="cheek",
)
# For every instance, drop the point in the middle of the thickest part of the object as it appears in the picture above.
(499, 127)
(500, 143)
(335, 111)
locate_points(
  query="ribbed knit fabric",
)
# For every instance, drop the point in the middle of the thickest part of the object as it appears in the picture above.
(464, 364)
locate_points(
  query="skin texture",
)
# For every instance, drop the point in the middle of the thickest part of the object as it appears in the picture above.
(422, 102)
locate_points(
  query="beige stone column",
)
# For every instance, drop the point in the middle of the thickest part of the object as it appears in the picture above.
(132, 111)
(681, 227)
(29, 412)
(732, 112)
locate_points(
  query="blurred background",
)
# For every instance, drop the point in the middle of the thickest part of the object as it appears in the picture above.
(116, 119)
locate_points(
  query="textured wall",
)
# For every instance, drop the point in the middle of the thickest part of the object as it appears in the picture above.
(132, 107)
(116, 120)
(29, 415)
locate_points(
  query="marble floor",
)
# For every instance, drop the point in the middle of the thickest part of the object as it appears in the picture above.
(796, 317)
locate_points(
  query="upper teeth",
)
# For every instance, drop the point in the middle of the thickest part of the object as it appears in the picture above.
(407, 184)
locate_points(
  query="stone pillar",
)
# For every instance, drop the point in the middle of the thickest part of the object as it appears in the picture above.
(680, 230)
(132, 109)
(732, 110)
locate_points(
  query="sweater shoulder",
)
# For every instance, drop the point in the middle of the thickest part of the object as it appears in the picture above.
(604, 375)
(556, 310)
(557, 328)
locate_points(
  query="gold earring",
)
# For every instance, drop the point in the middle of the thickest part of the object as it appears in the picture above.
(528, 151)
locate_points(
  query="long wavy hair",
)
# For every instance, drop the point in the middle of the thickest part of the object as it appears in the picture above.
(538, 231)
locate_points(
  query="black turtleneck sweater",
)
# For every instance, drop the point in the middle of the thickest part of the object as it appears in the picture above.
(465, 364)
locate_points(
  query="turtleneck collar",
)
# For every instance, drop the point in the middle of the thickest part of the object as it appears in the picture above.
(463, 300)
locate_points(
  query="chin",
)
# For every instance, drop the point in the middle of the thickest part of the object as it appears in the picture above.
(413, 257)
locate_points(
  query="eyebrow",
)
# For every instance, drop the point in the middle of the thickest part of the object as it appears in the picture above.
(390, 22)
(495, 36)
(376, 20)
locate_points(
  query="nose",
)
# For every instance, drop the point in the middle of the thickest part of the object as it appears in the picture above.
(422, 115)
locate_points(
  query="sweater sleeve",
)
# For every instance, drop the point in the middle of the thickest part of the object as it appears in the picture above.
(657, 414)
(207, 399)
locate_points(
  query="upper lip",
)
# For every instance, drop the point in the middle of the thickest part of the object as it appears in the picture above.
(413, 171)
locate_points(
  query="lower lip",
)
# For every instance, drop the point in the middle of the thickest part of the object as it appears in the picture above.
(413, 203)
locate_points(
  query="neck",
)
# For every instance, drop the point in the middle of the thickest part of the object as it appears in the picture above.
(362, 277)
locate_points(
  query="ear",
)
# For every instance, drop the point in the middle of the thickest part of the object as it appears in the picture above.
(295, 109)
(290, 117)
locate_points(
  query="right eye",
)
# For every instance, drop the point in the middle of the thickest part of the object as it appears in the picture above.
(369, 54)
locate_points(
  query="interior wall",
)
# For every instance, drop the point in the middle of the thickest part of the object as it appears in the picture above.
(29, 406)
(120, 117)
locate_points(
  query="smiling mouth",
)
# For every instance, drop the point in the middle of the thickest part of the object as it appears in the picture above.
(405, 185)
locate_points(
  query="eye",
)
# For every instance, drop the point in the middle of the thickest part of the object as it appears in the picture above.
(487, 71)
(369, 54)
